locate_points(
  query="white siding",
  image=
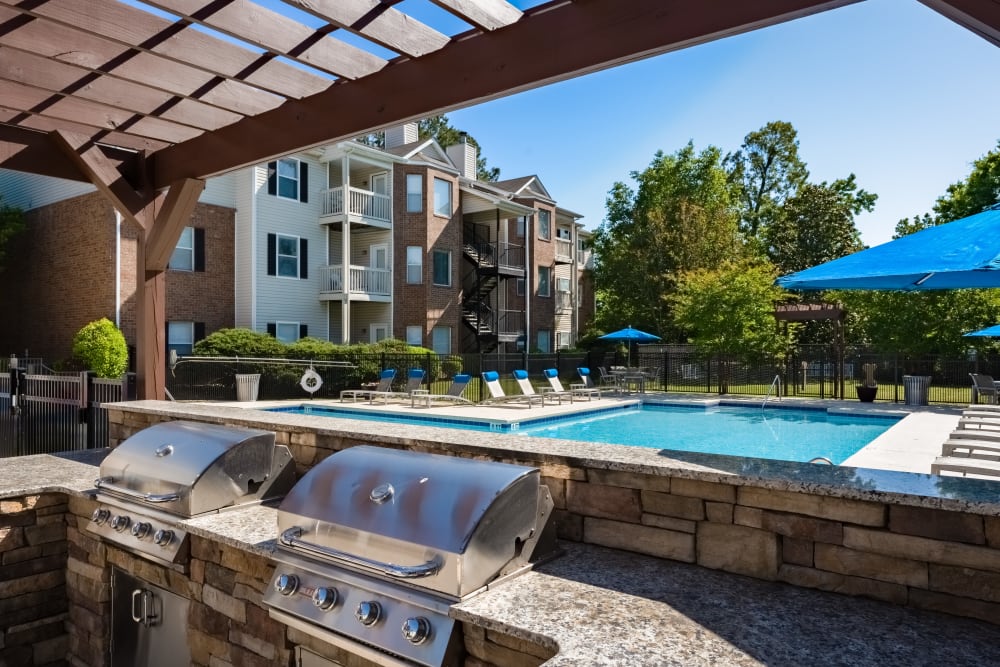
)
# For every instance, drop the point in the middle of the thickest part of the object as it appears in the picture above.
(362, 240)
(364, 314)
(28, 191)
(221, 190)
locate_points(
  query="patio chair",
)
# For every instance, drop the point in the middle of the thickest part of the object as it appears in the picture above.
(966, 466)
(578, 389)
(521, 378)
(983, 385)
(587, 380)
(454, 393)
(414, 379)
(385, 379)
(608, 379)
(497, 395)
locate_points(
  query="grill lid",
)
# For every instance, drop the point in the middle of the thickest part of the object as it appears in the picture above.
(453, 524)
(190, 468)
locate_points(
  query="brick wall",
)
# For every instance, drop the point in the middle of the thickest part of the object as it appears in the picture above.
(939, 559)
(33, 605)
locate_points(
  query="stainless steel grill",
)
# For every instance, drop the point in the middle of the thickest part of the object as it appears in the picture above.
(375, 545)
(176, 470)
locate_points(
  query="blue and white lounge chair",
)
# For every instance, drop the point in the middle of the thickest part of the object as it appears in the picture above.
(497, 395)
(454, 393)
(385, 379)
(587, 381)
(576, 389)
(414, 379)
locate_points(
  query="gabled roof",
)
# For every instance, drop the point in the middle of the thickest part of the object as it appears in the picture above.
(526, 186)
(425, 150)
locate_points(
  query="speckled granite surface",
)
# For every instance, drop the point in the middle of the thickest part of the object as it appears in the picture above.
(71, 472)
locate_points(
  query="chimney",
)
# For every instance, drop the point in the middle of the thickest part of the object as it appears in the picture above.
(463, 154)
(400, 135)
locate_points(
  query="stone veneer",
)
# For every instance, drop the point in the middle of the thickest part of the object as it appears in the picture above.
(941, 559)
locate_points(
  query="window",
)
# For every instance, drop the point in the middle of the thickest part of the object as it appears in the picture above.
(414, 193)
(562, 233)
(581, 244)
(442, 268)
(287, 332)
(441, 340)
(442, 197)
(414, 265)
(543, 280)
(562, 284)
(521, 222)
(180, 337)
(543, 340)
(288, 178)
(562, 340)
(183, 257)
(415, 335)
(520, 286)
(544, 224)
(288, 256)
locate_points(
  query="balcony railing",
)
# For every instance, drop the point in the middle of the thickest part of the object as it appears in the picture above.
(363, 280)
(564, 250)
(363, 204)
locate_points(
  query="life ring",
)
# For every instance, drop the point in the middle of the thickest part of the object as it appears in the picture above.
(311, 381)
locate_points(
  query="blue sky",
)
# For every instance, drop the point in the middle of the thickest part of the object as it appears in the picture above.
(887, 89)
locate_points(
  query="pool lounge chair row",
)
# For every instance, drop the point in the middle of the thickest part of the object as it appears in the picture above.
(973, 448)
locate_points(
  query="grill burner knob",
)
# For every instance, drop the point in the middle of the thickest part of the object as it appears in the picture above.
(368, 612)
(120, 522)
(163, 537)
(100, 516)
(416, 630)
(286, 584)
(325, 598)
(141, 530)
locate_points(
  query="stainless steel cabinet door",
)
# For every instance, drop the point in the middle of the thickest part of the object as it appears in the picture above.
(148, 624)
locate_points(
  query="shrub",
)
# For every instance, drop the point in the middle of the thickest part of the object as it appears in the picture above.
(239, 343)
(101, 347)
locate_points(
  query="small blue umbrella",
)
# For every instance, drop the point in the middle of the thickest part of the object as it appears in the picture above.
(630, 335)
(988, 332)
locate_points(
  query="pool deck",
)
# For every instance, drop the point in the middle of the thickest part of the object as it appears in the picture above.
(909, 446)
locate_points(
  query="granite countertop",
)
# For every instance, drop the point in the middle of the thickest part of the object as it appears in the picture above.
(598, 606)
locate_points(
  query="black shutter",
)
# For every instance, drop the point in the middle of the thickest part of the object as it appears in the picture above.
(303, 182)
(303, 259)
(303, 330)
(272, 178)
(166, 341)
(199, 331)
(272, 329)
(199, 249)
(272, 255)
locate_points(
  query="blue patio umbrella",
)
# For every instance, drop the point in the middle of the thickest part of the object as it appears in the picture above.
(988, 332)
(628, 335)
(956, 255)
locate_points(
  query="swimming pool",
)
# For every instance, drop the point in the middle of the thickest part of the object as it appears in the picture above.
(788, 434)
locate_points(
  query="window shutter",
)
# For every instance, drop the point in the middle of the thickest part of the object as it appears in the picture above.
(303, 258)
(272, 255)
(303, 330)
(199, 249)
(272, 178)
(199, 331)
(303, 182)
(272, 329)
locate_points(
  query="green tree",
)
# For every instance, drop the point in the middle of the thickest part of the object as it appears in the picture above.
(11, 224)
(681, 217)
(816, 225)
(978, 191)
(101, 347)
(729, 311)
(766, 170)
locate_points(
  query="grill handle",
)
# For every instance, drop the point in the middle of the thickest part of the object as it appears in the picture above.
(293, 538)
(106, 484)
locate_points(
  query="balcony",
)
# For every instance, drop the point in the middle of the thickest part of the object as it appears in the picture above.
(564, 251)
(564, 302)
(363, 206)
(366, 284)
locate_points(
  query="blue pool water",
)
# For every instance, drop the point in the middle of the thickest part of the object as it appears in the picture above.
(787, 434)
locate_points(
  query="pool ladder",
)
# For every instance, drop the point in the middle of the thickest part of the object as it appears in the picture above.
(776, 382)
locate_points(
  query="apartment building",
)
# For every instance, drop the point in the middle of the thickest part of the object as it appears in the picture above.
(346, 242)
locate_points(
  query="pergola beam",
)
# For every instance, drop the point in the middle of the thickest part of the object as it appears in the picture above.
(980, 16)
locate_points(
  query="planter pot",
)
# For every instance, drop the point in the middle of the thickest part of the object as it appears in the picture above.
(866, 394)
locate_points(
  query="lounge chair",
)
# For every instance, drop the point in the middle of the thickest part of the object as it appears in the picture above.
(521, 378)
(454, 393)
(587, 380)
(983, 385)
(385, 379)
(414, 379)
(579, 389)
(972, 448)
(966, 465)
(497, 395)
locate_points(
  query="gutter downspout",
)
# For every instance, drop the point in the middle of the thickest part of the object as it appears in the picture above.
(118, 269)
(529, 237)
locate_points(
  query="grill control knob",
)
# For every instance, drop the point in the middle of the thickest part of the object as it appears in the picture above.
(325, 598)
(141, 530)
(120, 522)
(368, 612)
(100, 516)
(416, 630)
(163, 537)
(286, 584)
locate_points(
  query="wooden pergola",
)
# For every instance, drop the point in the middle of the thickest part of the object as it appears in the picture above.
(147, 104)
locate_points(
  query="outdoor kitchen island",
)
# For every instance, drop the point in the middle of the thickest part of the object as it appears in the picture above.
(591, 605)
